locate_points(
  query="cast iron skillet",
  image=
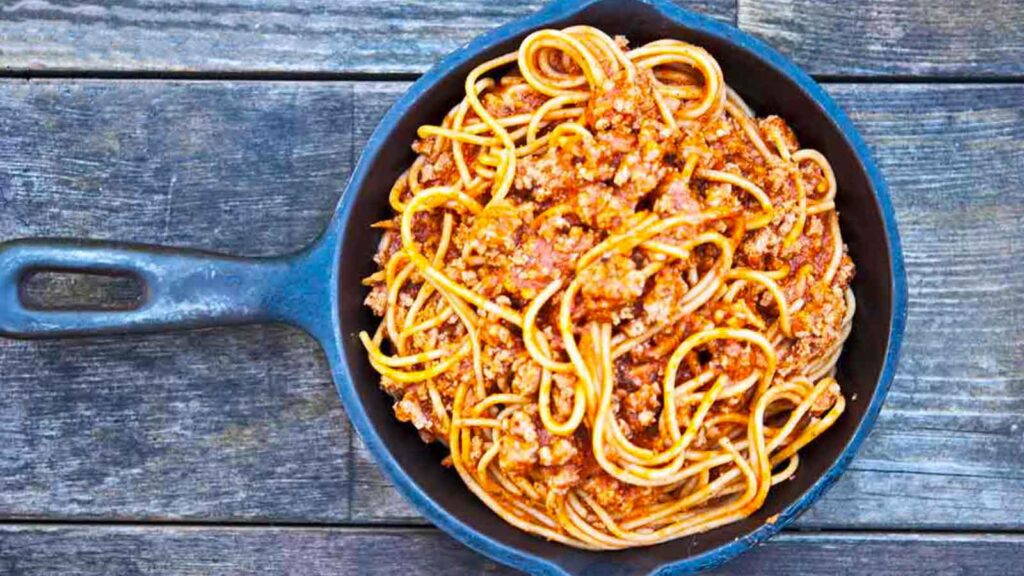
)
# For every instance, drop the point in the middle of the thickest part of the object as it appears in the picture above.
(318, 289)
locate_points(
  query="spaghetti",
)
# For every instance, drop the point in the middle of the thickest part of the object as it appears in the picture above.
(616, 295)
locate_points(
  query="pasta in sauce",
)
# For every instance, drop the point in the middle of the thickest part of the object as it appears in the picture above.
(616, 295)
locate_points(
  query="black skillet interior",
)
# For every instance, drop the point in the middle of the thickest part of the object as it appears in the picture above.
(768, 92)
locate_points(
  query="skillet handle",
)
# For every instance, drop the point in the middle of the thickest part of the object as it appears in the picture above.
(181, 288)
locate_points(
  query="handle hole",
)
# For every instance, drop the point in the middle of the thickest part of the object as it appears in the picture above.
(61, 290)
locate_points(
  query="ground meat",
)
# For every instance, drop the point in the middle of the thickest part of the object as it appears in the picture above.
(558, 452)
(601, 207)
(410, 409)
(377, 299)
(827, 399)
(386, 248)
(562, 478)
(563, 395)
(632, 376)
(519, 445)
(675, 197)
(761, 248)
(543, 258)
(618, 497)
(735, 358)
(640, 408)
(497, 365)
(512, 97)
(774, 127)
(816, 327)
(526, 378)
(495, 229)
(610, 284)
(667, 289)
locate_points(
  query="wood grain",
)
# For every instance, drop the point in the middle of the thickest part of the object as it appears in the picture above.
(212, 424)
(951, 435)
(879, 38)
(67, 291)
(242, 425)
(250, 168)
(893, 37)
(342, 36)
(208, 551)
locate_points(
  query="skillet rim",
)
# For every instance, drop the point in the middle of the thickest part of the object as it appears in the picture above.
(558, 10)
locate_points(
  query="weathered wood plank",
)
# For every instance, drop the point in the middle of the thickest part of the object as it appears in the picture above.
(248, 168)
(893, 37)
(242, 424)
(346, 36)
(222, 424)
(61, 290)
(101, 550)
(947, 448)
(835, 38)
(215, 424)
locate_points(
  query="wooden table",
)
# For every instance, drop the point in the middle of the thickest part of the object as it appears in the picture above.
(232, 126)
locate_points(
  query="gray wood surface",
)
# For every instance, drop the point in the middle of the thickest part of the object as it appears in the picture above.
(227, 452)
(208, 551)
(341, 36)
(205, 424)
(242, 425)
(834, 37)
(893, 37)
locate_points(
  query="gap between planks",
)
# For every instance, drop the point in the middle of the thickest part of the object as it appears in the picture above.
(318, 76)
(376, 527)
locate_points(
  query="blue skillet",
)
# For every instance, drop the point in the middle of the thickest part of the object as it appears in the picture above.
(318, 289)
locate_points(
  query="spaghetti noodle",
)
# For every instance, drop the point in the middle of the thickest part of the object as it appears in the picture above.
(616, 295)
